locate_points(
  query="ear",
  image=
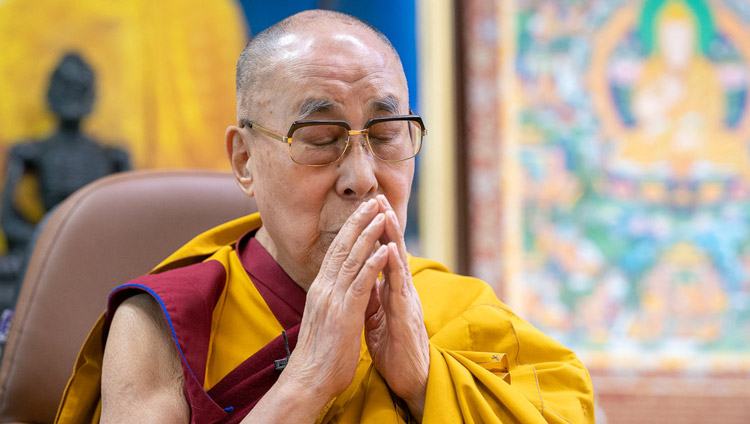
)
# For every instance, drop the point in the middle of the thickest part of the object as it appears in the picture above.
(239, 156)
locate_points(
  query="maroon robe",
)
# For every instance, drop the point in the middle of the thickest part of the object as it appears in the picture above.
(188, 296)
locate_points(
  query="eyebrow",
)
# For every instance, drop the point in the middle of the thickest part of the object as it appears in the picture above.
(387, 104)
(312, 106)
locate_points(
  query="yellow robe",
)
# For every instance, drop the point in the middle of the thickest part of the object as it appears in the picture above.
(486, 364)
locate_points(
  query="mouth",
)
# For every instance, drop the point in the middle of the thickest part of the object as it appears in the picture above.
(337, 224)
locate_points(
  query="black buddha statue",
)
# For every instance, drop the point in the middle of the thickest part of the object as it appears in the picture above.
(61, 163)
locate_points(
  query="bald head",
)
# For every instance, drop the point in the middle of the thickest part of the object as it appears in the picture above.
(258, 60)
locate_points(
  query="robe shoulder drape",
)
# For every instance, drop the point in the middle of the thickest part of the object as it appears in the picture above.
(486, 364)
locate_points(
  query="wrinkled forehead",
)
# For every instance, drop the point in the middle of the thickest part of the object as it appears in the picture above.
(321, 69)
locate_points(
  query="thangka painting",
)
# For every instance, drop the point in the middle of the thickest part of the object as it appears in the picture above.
(633, 146)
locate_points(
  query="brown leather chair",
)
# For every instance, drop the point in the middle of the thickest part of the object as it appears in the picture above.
(109, 232)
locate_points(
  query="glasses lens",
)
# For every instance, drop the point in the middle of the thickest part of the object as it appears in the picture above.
(395, 140)
(318, 144)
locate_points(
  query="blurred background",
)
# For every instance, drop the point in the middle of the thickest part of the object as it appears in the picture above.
(590, 159)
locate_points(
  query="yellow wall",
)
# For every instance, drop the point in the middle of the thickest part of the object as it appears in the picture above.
(165, 73)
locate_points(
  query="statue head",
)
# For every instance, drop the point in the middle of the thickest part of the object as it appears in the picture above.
(677, 34)
(680, 28)
(71, 88)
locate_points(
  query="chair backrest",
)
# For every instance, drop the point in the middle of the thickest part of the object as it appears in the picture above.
(107, 233)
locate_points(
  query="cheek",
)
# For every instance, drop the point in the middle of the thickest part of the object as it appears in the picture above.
(295, 197)
(272, 182)
(396, 186)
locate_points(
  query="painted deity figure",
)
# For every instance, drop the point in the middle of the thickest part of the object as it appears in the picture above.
(682, 297)
(679, 107)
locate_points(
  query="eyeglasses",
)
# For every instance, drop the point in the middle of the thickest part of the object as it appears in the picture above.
(320, 143)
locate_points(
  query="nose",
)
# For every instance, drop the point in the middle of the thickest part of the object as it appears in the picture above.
(357, 171)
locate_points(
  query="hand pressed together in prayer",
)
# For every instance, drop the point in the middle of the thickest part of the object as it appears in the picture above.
(347, 296)
(394, 329)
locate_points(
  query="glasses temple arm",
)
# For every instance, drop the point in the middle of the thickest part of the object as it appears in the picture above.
(265, 131)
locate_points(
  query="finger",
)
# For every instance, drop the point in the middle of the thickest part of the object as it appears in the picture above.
(383, 202)
(374, 303)
(394, 230)
(392, 286)
(394, 269)
(339, 249)
(360, 252)
(395, 234)
(399, 297)
(358, 293)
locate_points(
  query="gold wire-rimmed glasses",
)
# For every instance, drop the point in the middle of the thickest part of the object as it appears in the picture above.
(323, 142)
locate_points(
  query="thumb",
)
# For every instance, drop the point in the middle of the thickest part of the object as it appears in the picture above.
(374, 304)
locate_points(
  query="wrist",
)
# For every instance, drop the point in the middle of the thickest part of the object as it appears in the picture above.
(295, 380)
(283, 403)
(291, 384)
(416, 400)
(416, 404)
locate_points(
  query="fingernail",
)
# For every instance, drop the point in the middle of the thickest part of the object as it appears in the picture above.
(370, 205)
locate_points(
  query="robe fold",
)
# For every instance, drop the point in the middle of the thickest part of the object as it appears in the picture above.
(226, 302)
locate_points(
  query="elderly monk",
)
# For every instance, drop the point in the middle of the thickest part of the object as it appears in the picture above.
(326, 144)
